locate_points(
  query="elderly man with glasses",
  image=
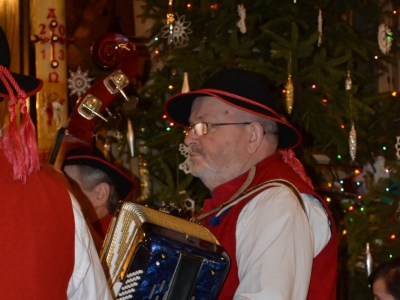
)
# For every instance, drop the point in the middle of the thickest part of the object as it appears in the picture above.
(277, 230)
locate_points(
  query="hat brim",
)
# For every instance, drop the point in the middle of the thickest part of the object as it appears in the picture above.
(178, 108)
(30, 85)
(123, 183)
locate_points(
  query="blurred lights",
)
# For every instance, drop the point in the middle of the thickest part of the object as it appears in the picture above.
(164, 116)
(344, 232)
(170, 86)
(393, 236)
(328, 199)
(394, 94)
(171, 124)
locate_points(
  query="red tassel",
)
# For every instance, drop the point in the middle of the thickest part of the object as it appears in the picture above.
(19, 146)
(12, 145)
(28, 139)
(290, 158)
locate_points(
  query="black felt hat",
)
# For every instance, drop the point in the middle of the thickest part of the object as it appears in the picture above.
(29, 84)
(242, 89)
(98, 161)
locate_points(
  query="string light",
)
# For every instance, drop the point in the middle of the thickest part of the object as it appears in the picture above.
(189, 5)
(394, 94)
(170, 86)
(362, 208)
(328, 199)
(156, 52)
(393, 236)
(344, 232)
(351, 207)
(339, 156)
(168, 129)
(171, 124)
(395, 12)
(376, 57)
(357, 171)
(283, 91)
(384, 148)
(314, 86)
(342, 126)
(214, 6)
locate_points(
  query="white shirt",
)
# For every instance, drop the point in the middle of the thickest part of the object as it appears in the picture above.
(88, 281)
(276, 242)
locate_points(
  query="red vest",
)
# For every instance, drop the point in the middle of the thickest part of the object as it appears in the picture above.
(323, 276)
(37, 236)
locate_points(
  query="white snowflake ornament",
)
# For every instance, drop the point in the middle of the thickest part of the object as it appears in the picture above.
(242, 14)
(180, 31)
(185, 166)
(385, 38)
(79, 82)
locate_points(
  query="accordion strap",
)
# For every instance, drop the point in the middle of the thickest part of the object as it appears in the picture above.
(242, 194)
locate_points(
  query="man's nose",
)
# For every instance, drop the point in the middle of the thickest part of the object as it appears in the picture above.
(191, 137)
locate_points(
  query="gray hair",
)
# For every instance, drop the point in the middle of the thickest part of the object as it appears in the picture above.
(270, 127)
(91, 177)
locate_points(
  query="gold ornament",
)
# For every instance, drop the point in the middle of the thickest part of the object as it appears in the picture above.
(185, 85)
(353, 142)
(289, 95)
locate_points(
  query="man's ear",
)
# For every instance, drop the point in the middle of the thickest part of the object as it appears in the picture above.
(256, 136)
(102, 192)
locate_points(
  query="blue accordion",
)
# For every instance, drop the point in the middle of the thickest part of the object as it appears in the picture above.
(148, 254)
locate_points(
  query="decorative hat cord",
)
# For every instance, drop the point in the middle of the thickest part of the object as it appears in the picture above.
(19, 146)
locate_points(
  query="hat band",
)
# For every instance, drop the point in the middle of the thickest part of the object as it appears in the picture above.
(214, 91)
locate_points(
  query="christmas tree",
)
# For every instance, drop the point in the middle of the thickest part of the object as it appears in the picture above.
(324, 60)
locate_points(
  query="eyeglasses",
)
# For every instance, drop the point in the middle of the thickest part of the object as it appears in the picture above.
(201, 128)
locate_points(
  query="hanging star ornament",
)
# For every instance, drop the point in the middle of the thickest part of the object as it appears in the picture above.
(79, 82)
(178, 33)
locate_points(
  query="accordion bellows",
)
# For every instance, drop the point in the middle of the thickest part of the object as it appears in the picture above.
(148, 254)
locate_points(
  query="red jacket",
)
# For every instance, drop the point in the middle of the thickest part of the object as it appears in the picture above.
(323, 276)
(37, 236)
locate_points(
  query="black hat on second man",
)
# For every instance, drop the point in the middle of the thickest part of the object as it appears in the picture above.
(242, 89)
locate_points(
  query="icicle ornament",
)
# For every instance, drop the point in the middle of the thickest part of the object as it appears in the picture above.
(353, 142)
(349, 82)
(131, 138)
(320, 28)
(185, 85)
(289, 95)
(242, 14)
(368, 260)
(170, 23)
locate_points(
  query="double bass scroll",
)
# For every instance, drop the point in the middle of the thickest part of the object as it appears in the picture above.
(114, 52)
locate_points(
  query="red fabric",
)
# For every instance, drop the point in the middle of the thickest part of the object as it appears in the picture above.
(37, 235)
(102, 225)
(323, 277)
